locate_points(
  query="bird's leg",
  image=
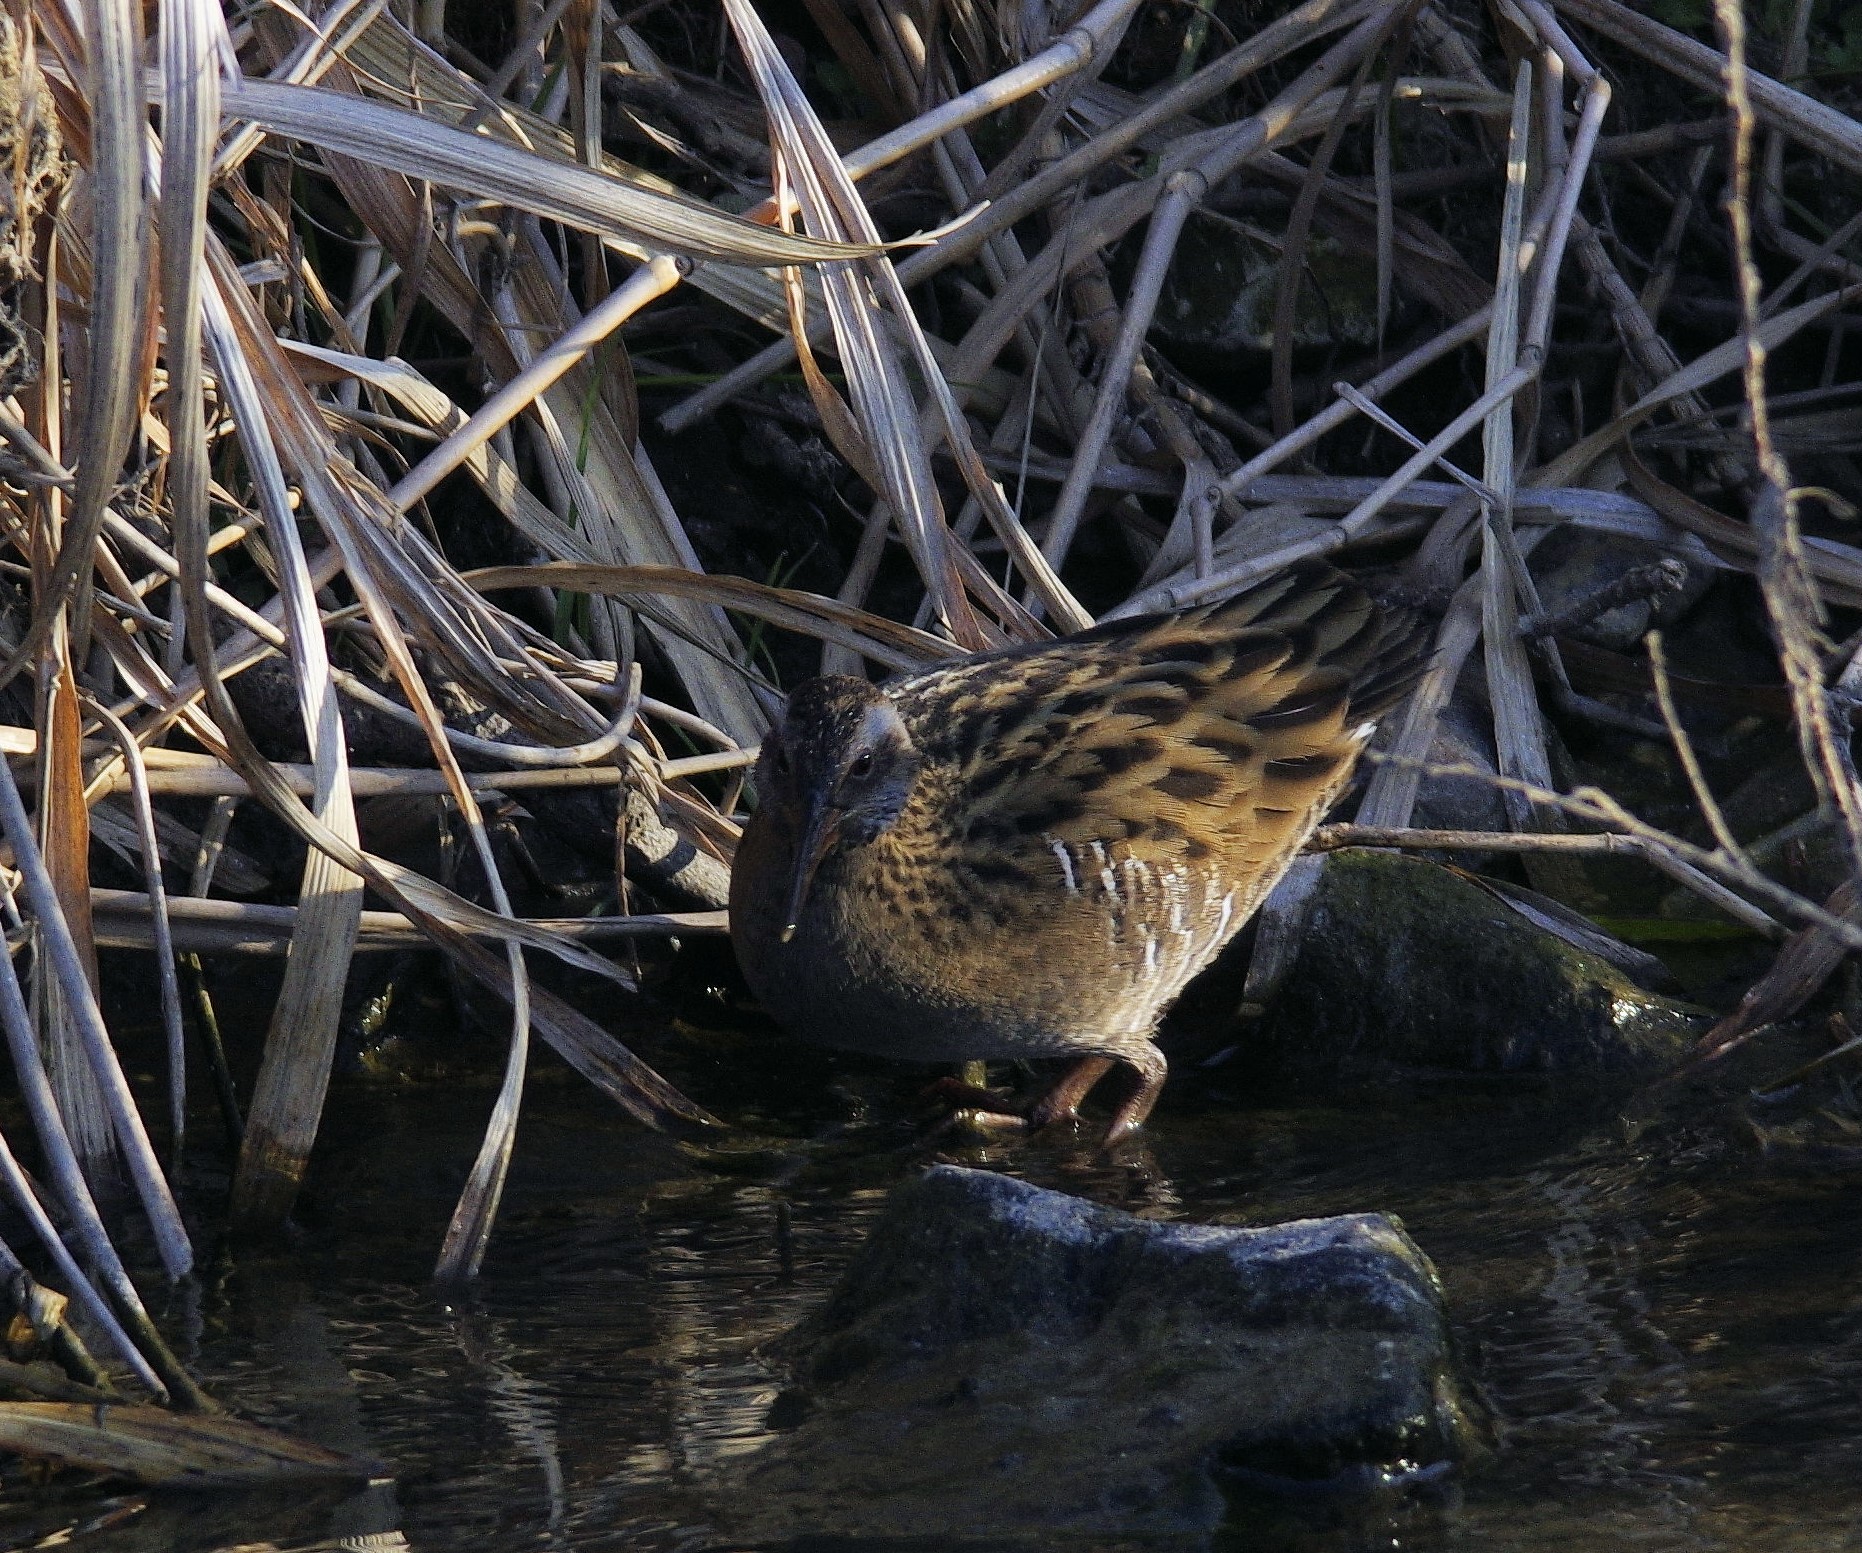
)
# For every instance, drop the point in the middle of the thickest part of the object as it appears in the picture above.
(1062, 1102)
(1151, 1070)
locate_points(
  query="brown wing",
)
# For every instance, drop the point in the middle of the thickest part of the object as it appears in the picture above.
(1211, 734)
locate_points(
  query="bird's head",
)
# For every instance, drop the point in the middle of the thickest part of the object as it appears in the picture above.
(838, 768)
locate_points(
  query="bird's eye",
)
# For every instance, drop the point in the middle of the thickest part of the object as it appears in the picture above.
(862, 765)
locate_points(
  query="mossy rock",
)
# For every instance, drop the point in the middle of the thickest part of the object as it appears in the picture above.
(1404, 964)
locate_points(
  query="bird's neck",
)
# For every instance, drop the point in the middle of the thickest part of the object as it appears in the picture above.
(910, 859)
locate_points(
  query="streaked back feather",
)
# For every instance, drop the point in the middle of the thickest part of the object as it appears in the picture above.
(1214, 733)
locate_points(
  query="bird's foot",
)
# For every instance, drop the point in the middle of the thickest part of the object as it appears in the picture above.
(981, 1109)
(974, 1109)
(986, 1109)
(960, 1096)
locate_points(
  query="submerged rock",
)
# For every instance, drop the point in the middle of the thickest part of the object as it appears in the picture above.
(1001, 1359)
(1404, 964)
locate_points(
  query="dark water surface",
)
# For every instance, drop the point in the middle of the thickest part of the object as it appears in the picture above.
(1669, 1329)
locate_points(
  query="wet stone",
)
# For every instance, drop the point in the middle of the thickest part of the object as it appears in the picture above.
(1001, 1359)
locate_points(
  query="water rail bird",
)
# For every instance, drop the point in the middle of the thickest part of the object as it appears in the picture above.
(1028, 853)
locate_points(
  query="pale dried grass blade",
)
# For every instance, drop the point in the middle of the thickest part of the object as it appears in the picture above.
(1396, 781)
(653, 279)
(1085, 45)
(1519, 731)
(54, 937)
(619, 504)
(203, 926)
(631, 1083)
(1186, 173)
(273, 1186)
(192, 35)
(1817, 125)
(1568, 467)
(193, 38)
(1809, 958)
(384, 53)
(468, 1231)
(287, 1099)
(64, 841)
(477, 164)
(26, 1199)
(494, 474)
(162, 939)
(1296, 29)
(871, 636)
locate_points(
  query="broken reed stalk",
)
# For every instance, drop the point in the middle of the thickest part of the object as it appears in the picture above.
(199, 926)
(1338, 836)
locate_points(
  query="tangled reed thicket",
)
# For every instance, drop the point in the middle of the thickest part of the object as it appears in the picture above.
(269, 279)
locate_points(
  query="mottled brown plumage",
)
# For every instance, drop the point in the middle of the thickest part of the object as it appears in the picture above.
(1030, 852)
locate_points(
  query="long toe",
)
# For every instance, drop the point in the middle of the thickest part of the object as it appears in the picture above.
(992, 1123)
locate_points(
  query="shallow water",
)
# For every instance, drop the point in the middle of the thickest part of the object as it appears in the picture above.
(1670, 1331)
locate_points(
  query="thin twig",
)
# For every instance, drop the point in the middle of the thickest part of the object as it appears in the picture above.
(1684, 749)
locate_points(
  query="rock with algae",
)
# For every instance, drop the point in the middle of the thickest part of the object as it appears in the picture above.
(1405, 964)
(1001, 1360)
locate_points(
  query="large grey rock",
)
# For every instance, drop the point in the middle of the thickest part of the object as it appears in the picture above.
(1405, 964)
(1002, 1360)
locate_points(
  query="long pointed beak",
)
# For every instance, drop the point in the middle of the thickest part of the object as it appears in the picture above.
(819, 833)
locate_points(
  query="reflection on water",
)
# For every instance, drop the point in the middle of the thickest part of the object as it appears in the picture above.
(1672, 1341)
